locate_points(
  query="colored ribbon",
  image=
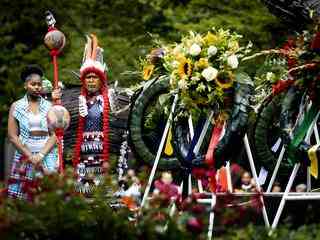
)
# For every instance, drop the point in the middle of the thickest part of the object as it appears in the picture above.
(300, 134)
(312, 154)
(168, 148)
(195, 139)
(216, 133)
(209, 158)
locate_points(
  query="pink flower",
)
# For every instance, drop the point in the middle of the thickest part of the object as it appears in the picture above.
(169, 190)
(198, 209)
(194, 225)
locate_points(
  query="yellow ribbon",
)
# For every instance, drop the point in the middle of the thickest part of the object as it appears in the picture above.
(169, 149)
(312, 154)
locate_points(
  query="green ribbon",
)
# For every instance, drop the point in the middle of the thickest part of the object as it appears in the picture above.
(300, 134)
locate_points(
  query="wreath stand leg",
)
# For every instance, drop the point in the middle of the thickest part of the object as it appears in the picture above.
(275, 171)
(254, 174)
(211, 216)
(284, 197)
(160, 149)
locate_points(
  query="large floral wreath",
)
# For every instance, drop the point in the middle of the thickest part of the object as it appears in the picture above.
(202, 67)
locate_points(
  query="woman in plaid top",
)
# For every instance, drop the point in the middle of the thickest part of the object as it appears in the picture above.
(28, 131)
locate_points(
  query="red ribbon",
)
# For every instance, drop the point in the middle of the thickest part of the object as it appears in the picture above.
(209, 159)
(216, 133)
(280, 86)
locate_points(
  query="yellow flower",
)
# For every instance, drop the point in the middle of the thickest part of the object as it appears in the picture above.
(211, 39)
(147, 71)
(224, 79)
(233, 46)
(202, 63)
(185, 68)
(180, 57)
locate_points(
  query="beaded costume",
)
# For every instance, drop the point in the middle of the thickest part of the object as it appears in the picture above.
(92, 145)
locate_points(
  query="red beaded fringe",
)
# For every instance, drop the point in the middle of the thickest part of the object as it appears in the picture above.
(105, 116)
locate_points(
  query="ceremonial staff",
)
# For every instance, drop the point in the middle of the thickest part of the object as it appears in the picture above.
(58, 116)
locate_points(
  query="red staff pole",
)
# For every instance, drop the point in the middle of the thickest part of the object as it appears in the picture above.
(59, 131)
(55, 41)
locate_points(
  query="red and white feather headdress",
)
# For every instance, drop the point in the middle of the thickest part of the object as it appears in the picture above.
(93, 59)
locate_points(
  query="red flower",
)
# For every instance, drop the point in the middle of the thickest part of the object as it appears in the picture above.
(198, 209)
(281, 86)
(195, 225)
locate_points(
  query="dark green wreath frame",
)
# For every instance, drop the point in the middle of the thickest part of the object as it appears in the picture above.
(266, 131)
(150, 92)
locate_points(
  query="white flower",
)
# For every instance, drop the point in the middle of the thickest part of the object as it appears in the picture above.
(209, 73)
(233, 61)
(269, 76)
(175, 64)
(183, 84)
(195, 79)
(195, 49)
(178, 50)
(212, 50)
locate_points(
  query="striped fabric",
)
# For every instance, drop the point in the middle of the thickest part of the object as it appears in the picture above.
(22, 173)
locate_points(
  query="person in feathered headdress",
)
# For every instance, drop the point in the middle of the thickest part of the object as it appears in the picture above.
(92, 143)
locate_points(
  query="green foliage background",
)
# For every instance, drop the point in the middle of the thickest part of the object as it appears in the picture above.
(126, 30)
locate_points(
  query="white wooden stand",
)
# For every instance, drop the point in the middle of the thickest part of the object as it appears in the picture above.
(285, 196)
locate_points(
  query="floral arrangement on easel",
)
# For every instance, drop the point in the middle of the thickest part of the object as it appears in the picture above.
(202, 67)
